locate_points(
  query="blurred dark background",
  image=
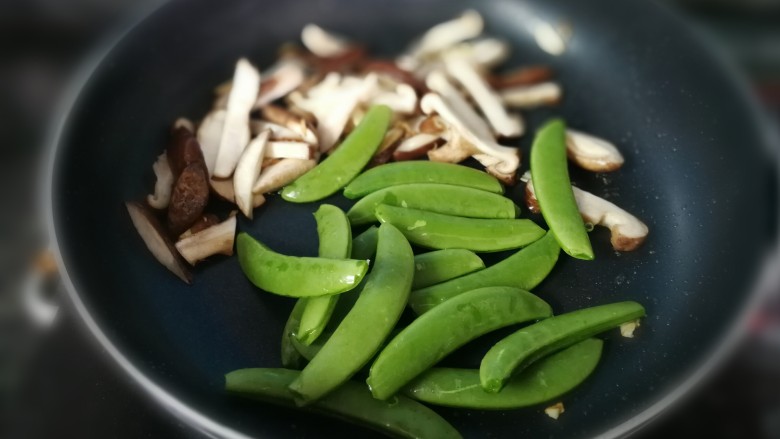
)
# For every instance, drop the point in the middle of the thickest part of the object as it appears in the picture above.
(55, 381)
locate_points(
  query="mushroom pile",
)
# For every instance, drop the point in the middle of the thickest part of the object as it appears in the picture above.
(268, 127)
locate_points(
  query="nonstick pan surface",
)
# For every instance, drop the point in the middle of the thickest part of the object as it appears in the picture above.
(697, 172)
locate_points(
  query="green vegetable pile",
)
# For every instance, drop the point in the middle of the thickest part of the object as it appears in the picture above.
(347, 316)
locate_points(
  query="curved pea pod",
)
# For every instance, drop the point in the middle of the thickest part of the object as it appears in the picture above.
(364, 245)
(439, 198)
(335, 236)
(525, 269)
(403, 417)
(308, 351)
(367, 324)
(345, 163)
(398, 173)
(438, 231)
(447, 327)
(291, 356)
(543, 381)
(438, 266)
(550, 175)
(296, 276)
(520, 349)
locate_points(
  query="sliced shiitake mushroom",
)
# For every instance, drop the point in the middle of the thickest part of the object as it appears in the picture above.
(216, 239)
(416, 147)
(157, 241)
(522, 76)
(189, 198)
(164, 184)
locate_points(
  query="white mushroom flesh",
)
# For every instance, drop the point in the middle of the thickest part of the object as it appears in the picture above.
(485, 52)
(486, 98)
(592, 153)
(236, 134)
(285, 149)
(183, 122)
(627, 231)
(627, 329)
(276, 176)
(402, 100)
(284, 77)
(510, 160)
(209, 135)
(438, 82)
(448, 33)
(247, 170)
(554, 411)
(323, 43)
(217, 239)
(532, 96)
(164, 184)
(277, 131)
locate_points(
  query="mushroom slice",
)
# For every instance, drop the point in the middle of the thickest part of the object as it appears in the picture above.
(287, 149)
(277, 131)
(442, 36)
(522, 76)
(486, 98)
(224, 189)
(235, 133)
(416, 147)
(402, 100)
(510, 159)
(202, 223)
(323, 43)
(280, 174)
(439, 83)
(156, 240)
(592, 153)
(627, 231)
(279, 80)
(294, 122)
(532, 96)
(164, 184)
(432, 125)
(485, 52)
(214, 240)
(491, 166)
(185, 123)
(209, 136)
(247, 170)
(384, 153)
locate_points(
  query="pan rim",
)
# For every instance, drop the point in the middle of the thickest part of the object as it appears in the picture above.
(766, 278)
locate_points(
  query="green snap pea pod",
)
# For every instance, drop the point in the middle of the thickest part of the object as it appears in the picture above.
(296, 276)
(345, 163)
(367, 324)
(525, 269)
(435, 230)
(437, 333)
(309, 351)
(543, 381)
(364, 245)
(291, 356)
(439, 198)
(404, 417)
(409, 172)
(550, 175)
(335, 236)
(518, 350)
(438, 266)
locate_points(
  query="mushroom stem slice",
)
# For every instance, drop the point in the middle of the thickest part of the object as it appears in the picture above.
(627, 231)
(280, 174)
(510, 158)
(532, 96)
(448, 33)
(157, 241)
(402, 100)
(491, 166)
(217, 239)
(323, 43)
(592, 153)
(416, 147)
(485, 97)
(236, 133)
(438, 82)
(209, 136)
(247, 170)
(288, 149)
(279, 80)
(164, 184)
(485, 52)
(294, 122)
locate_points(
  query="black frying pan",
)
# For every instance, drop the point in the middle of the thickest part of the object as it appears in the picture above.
(697, 173)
